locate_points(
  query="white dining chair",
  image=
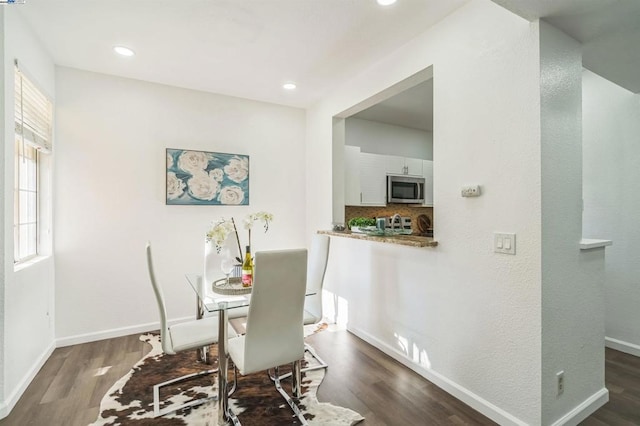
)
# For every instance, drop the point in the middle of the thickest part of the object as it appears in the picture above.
(180, 337)
(274, 333)
(316, 269)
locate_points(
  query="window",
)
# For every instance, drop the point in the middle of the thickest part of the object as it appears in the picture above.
(33, 122)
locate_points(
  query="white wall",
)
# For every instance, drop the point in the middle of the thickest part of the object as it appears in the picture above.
(382, 138)
(611, 131)
(28, 305)
(473, 314)
(572, 301)
(3, 179)
(110, 158)
(471, 320)
(338, 136)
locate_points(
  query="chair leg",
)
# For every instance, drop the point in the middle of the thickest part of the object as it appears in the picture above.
(202, 355)
(321, 363)
(296, 378)
(296, 385)
(235, 381)
(156, 394)
(232, 416)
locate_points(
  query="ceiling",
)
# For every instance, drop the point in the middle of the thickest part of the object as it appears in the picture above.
(245, 48)
(609, 31)
(412, 108)
(249, 48)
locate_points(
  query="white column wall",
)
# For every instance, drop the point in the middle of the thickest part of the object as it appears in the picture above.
(27, 309)
(611, 131)
(572, 280)
(472, 317)
(3, 179)
(111, 139)
(338, 172)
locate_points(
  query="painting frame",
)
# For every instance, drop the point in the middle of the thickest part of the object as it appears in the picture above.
(206, 178)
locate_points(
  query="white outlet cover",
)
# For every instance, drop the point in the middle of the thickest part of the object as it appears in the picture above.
(470, 191)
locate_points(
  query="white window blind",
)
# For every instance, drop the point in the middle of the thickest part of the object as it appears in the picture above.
(33, 114)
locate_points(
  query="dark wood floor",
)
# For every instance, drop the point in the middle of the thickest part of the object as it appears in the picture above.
(622, 377)
(68, 389)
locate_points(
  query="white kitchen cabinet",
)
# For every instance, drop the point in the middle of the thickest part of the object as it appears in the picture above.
(373, 179)
(395, 165)
(427, 173)
(351, 175)
(413, 166)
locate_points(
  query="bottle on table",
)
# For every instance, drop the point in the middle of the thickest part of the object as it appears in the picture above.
(247, 269)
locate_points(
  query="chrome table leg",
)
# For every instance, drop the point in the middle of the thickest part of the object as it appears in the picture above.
(223, 365)
(202, 354)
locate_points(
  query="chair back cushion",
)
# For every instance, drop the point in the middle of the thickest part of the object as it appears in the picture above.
(274, 325)
(317, 266)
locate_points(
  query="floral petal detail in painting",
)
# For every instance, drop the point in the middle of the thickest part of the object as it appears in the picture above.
(193, 161)
(238, 169)
(175, 186)
(202, 186)
(231, 195)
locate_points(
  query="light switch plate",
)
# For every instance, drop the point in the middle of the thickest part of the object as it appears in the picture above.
(504, 243)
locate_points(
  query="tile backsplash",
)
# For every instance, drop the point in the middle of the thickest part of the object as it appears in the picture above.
(387, 211)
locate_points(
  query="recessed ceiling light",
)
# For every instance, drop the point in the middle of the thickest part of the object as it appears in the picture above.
(124, 51)
(386, 2)
(289, 86)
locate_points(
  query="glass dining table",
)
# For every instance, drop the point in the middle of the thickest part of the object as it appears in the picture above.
(220, 297)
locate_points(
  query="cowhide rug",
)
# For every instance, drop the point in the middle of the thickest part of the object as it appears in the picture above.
(255, 402)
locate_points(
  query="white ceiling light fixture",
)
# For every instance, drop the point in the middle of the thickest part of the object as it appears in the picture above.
(124, 51)
(289, 85)
(386, 2)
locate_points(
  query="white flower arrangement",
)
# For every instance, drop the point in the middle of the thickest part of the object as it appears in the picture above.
(221, 228)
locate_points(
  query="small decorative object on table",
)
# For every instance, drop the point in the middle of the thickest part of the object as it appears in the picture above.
(227, 263)
(357, 224)
(247, 269)
(232, 288)
(221, 229)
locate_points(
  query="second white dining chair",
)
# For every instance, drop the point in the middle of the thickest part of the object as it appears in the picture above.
(274, 335)
(316, 269)
(178, 338)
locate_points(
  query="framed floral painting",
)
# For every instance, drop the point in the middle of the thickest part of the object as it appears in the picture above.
(207, 178)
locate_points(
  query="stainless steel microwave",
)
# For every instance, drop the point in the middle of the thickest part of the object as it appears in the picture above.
(405, 189)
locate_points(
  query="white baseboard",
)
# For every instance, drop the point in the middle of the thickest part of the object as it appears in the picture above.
(465, 395)
(584, 410)
(114, 332)
(7, 405)
(622, 346)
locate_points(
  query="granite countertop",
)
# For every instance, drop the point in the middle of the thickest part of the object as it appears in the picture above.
(404, 240)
